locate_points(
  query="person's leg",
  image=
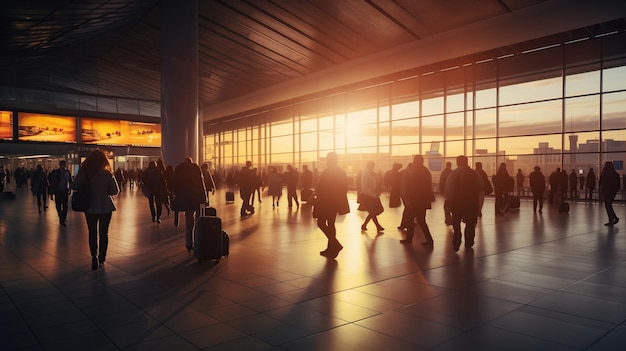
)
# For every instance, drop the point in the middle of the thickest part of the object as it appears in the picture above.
(58, 204)
(481, 202)
(159, 206)
(378, 226)
(367, 220)
(409, 224)
(470, 233)
(189, 227)
(152, 209)
(421, 222)
(456, 227)
(540, 196)
(103, 228)
(92, 227)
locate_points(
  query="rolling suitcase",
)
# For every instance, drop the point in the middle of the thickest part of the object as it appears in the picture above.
(564, 207)
(230, 196)
(208, 238)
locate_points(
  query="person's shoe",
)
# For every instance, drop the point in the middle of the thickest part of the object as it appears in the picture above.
(153, 219)
(615, 220)
(609, 224)
(406, 241)
(380, 228)
(39, 209)
(94, 263)
(189, 248)
(469, 245)
(158, 220)
(428, 243)
(456, 241)
(363, 227)
(64, 224)
(324, 252)
(334, 252)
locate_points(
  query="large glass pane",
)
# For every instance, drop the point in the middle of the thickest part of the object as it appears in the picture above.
(362, 135)
(326, 122)
(455, 102)
(534, 118)
(282, 128)
(308, 141)
(432, 128)
(308, 158)
(405, 131)
(526, 144)
(405, 149)
(618, 162)
(282, 143)
(405, 110)
(383, 113)
(384, 133)
(586, 142)
(455, 148)
(326, 140)
(485, 126)
(531, 91)
(614, 111)
(582, 113)
(582, 83)
(614, 79)
(455, 124)
(485, 146)
(614, 140)
(432, 106)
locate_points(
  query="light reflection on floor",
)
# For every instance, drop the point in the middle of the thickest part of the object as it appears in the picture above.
(549, 281)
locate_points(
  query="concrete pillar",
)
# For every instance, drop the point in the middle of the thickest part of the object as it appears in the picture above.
(179, 80)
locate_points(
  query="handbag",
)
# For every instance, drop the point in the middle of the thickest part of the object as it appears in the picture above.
(81, 197)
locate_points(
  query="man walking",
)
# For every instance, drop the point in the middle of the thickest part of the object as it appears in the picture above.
(60, 181)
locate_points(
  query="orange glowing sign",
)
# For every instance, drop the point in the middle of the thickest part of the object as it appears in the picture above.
(6, 125)
(41, 127)
(119, 132)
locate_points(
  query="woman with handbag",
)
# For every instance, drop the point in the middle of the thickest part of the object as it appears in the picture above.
(96, 172)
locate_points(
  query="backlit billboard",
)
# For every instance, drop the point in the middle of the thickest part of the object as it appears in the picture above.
(41, 127)
(6, 125)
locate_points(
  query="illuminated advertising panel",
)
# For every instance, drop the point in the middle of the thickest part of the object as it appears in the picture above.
(145, 134)
(6, 125)
(103, 131)
(119, 132)
(40, 127)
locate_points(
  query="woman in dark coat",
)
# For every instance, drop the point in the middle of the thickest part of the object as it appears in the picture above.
(189, 193)
(96, 171)
(609, 185)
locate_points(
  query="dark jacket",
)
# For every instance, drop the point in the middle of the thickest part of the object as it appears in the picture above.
(154, 179)
(331, 191)
(537, 182)
(103, 185)
(39, 182)
(609, 183)
(420, 192)
(188, 187)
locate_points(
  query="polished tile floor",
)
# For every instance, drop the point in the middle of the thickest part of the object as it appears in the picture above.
(546, 281)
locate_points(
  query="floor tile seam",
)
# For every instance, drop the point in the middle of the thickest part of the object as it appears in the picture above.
(533, 336)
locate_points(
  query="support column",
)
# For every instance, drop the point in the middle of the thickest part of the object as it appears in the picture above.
(179, 80)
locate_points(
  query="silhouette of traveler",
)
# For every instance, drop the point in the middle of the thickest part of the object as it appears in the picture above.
(590, 184)
(246, 188)
(393, 178)
(502, 184)
(573, 185)
(39, 186)
(189, 194)
(291, 178)
(332, 199)
(419, 198)
(154, 181)
(274, 186)
(96, 171)
(370, 197)
(60, 181)
(537, 187)
(609, 186)
(519, 180)
(464, 185)
(209, 183)
(442, 189)
(487, 187)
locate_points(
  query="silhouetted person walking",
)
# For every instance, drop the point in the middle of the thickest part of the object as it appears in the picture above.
(332, 199)
(418, 199)
(442, 190)
(39, 186)
(189, 194)
(154, 181)
(502, 184)
(590, 184)
(96, 171)
(60, 181)
(609, 186)
(537, 187)
(370, 199)
(462, 190)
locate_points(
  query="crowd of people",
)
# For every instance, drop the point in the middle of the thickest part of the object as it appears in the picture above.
(186, 188)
